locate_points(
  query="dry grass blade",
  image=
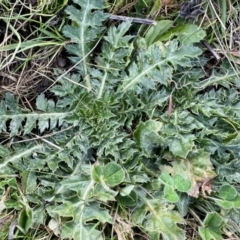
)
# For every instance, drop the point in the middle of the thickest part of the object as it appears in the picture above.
(26, 70)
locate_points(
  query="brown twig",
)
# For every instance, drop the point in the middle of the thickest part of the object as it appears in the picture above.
(206, 44)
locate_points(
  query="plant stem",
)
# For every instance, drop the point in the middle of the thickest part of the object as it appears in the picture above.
(102, 85)
(136, 20)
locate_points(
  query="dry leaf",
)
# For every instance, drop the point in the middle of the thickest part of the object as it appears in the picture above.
(194, 192)
(206, 187)
(166, 2)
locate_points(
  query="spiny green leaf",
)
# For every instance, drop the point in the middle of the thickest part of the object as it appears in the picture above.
(29, 181)
(17, 116)
(213, 223)
(65, 210)
(116, 37)
(75, 183)
(18, 155)
(157, 65)
(146, 135)
(88, 27)
(11, 103)
(116, 51)
(182, 145)
(104, 193)
(165, 222)
(118, 138)
(41, 102)
(78, 228)
(87, 232)
(230, 171)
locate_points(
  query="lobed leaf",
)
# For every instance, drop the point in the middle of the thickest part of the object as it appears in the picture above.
(197, 168)
(156, 65)
(212, 228)
(146, 135)
(182, 145)
(165, 222)
(84, 32)
(21, 121)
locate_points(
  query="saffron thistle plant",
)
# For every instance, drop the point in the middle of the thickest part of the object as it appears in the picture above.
(129, 145)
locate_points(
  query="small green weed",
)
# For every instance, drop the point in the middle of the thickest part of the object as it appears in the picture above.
(136, 143)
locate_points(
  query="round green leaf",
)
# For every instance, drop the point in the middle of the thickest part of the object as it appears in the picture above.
(97, 172)
(113, 174)
(170, 194)
(181, 184)
(227, 192)
(167, 179)
(236, 201)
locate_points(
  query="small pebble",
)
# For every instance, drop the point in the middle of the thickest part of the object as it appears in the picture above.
(61, 62)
